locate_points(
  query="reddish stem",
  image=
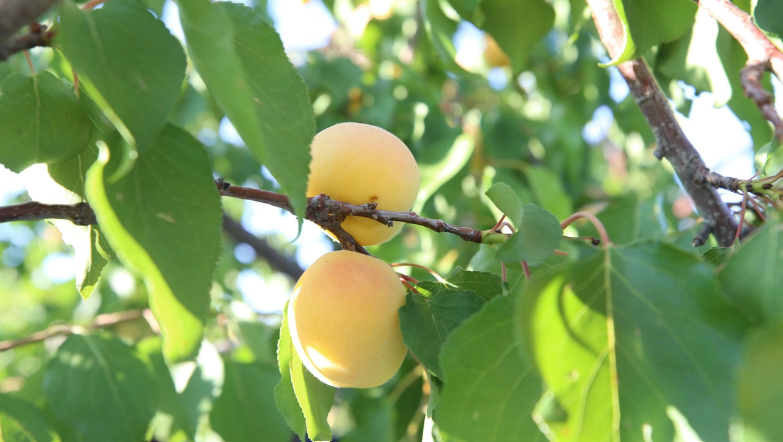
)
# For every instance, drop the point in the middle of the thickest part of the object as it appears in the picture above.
(592, 218)
(419, 266)
(526, 269)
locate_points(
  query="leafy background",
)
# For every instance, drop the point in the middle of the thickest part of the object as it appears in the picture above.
(173, 101)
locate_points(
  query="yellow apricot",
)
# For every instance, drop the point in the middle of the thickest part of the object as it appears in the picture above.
(343, 320)
(360, 164)
(494, 55)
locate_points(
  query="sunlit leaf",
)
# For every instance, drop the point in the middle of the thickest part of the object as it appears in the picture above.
(102, 388)
(21, 421)
(427, 318)
(490, 387)
(246, 409)
(134, 65)
(41, 121)
(627, 334)
(761, 386)
(753, 275)
(164, 220)
(242, 61)
(538, 231)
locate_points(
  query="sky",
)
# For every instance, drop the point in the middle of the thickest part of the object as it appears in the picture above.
(716, 133)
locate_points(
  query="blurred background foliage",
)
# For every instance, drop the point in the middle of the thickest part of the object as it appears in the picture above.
(557, 127)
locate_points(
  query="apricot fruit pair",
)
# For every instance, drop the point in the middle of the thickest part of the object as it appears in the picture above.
(343, 320)
(360, 164)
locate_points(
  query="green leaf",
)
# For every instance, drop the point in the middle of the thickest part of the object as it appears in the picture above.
(243, 63)
(654, 22)
(285, 397)
(169, 402)
(155, 6)
(753, 276)
(374, 420)
(774, 144)
(21, 421)
(41, 121)
(303, 400)
(630, 334)
(629, 46)
(548, 191)
(630, 220)
(761, 386)
(538, 231)
(135, 67)
(314, 397)
(517, 26)
(490, 385)
(694, 59)
(427, 319)
(246, 409)
(485, 284)
(188, 397)
(769, 16)
(102, 388)
(716, 255)
(164, 220)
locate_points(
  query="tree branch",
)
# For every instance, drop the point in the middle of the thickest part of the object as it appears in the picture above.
(80, 214)
(38, 36)
(321, 210)
(101, 321)
(277, 260)
(763, 55)
(15, 14)
(672, 143)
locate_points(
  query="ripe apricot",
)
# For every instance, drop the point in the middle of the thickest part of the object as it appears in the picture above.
(360, 164)
(343, 320)
(494, 55)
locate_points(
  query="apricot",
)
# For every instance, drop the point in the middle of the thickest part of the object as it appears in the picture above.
(359, 164)
(343, 320)
(494, 55)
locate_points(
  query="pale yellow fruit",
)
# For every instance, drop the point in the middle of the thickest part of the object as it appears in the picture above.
(359, 164)
(343, 320)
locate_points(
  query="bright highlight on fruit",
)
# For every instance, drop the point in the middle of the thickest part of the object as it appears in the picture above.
(360, 164)
(343, 320)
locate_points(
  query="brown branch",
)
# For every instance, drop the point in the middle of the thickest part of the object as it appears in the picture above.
(324, 211)
(101, 321)
(763, 55)
(38, 36)
(15, 14)
(672, 143)
(80, 214)
(276, 260)
(321, 210)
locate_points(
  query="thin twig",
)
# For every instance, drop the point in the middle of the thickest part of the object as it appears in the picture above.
(101, 321)
(742, 216)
